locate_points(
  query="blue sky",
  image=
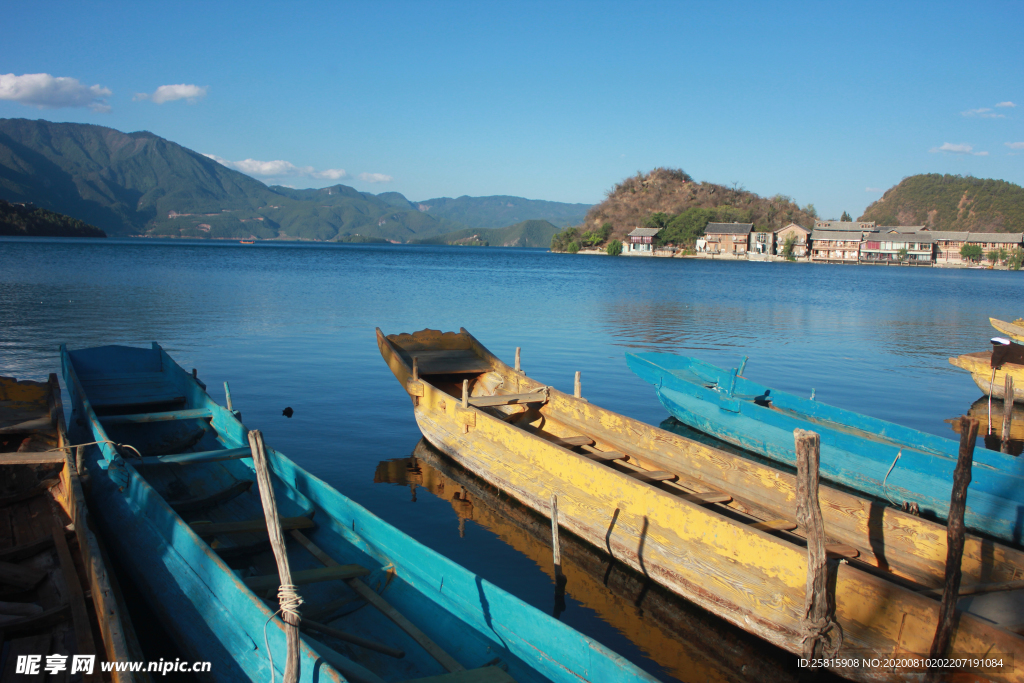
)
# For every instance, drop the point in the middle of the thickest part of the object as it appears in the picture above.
(828, 103)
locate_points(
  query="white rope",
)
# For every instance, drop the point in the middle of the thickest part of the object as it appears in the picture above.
(114, 443)
(289, 601)
(991, 390)
(887, 477)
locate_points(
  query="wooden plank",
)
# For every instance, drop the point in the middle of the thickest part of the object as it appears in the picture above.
(216, 498)
(371, 596)
(572, 441)
(818, 612)
(653, 475)
(447, 362)
(201, 456)
(84, 644)
(21, 577)
(605, 456)
(841, 550)
(775, 525)
(316, 627)
(706, 498)
(979, 588)
(487, 674)
(345, 571)
(37, 458)
(254, 526)
(40, 489)
(228, 552)
(37, 622)
(169, 416)
(40, 424)
(20, 552)
(508, 399)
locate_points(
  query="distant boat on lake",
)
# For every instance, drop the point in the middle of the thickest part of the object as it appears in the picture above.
(247, 241)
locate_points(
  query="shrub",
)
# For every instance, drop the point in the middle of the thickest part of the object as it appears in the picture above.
(614, 248)
(970, 252)
(1015, 259)
(573, 247)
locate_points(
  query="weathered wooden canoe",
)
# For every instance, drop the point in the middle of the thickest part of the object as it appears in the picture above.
(686, 641)
(1014, 330)
(188, 524)
(713, 527)
(993, 418)
(992, 381)
(857, 451)
(51, 563)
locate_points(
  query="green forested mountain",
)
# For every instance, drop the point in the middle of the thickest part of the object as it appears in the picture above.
(27, 220)
(951, 202)
(526, 234)
(141, 184)
(500, 211)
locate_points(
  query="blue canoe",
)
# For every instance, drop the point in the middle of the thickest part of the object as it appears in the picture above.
(188, 526)
(857, 451)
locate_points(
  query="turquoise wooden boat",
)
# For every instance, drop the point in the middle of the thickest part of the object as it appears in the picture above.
(857, 451)
(187, 523)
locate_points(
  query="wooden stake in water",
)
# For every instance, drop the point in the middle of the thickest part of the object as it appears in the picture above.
(289, 607)
(577, 390)
(1007, 414)
(519, 368)
(556, 550)
(954, 541)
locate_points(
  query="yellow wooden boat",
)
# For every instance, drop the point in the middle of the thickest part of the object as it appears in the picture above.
(992, 382)
(1014, 330)
(980, 411)
(713, 527)
(58, 598)
(685, 641)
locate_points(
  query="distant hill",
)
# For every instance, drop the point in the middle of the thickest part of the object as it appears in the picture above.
(142, 184)
(27, 220)
(500, 211)
(525, 234)
(666, 194)
(951, 202)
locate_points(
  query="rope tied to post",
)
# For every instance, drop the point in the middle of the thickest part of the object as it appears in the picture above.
(288, 603)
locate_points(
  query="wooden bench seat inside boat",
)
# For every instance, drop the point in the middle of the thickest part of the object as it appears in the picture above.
(136, 390)
(507, 399)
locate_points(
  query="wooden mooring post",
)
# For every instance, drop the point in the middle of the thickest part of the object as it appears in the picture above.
(519, 367)
(954, 543)
(577, 387)
(288, 598)
(1004, 446)
(556, 553)
(817, 605)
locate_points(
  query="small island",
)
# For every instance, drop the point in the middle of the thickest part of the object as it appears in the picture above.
(28, 220)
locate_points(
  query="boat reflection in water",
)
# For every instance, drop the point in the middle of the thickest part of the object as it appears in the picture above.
(990, 424)
(686, 641)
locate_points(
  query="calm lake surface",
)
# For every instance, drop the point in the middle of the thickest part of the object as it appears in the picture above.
(292, 325)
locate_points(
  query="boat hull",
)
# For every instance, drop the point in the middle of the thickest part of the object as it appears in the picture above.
(1014, 330)
(992, 383)
(856, 451)
(752, 578)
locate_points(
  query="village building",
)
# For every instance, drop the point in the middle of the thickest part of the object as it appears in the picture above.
(887, 247)
(835, 246)
(994, 241)
(948, 244)
(762, 243)
(845, 226)
(727, 238)
(641, 242)
(800, 237)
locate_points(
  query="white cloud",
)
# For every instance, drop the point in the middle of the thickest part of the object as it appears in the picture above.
(962, 148)
(1015, 145)
(48, 92)
(279, 169)
(170, 93)
(375, 178)
(983, 113)
(872, 189)
(1006, 104)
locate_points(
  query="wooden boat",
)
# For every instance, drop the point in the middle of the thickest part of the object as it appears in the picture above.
(188, 524)
(992, 381)
(684, 640)
(857, 451)
(247, 241)
(994, 420)
(713, 527)
(51, 563)
(1014, 330)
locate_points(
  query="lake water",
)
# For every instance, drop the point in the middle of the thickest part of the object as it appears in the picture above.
(292, 325)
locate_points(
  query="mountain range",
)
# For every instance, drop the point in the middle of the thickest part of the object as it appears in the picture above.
(142, 184)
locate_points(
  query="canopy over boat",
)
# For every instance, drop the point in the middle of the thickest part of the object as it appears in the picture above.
(886, 461)
(188, 524)
(713, 527)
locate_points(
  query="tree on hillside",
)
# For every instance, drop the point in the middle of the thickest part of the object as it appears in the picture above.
(971, 252)
(845, 217)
